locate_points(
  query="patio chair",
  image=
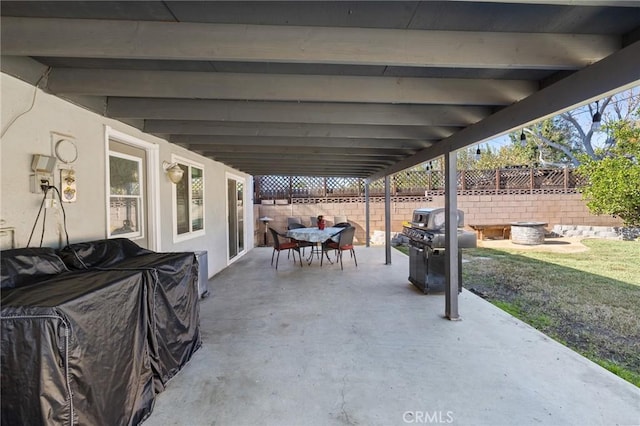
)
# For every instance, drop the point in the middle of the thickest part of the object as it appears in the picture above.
(280, 246)
(345, 242)
(342, 225)
(340, 219)
(314, 220)
(301, 244)
(293, 220)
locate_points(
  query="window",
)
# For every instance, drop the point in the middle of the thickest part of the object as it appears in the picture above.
(189, 200)
(125, 195)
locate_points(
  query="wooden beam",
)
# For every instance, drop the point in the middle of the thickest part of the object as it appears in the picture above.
(310, 165)
(380, 152)
(287, 87)
(295, 112)
(193, 127)
(326, 143)
(315, 173)
(301, 170)
(89, 38)
(306, 158)
(590, 3)
(307, 171)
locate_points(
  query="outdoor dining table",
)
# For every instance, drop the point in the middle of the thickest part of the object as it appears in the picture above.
(315, 235)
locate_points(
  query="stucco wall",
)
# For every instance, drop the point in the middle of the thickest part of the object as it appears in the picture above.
(86, 219)
(555, 209)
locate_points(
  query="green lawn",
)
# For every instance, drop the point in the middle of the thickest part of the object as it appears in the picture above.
(589, 301)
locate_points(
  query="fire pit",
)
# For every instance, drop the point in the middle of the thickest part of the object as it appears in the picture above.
(528, 233)
(426, 248)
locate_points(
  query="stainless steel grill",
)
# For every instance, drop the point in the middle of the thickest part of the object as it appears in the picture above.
(426, 248)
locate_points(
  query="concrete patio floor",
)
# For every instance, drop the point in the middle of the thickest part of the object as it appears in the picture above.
(321, 346)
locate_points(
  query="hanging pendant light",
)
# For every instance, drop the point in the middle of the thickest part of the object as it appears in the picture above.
(478, 153)
(523, 139)
(597, 118)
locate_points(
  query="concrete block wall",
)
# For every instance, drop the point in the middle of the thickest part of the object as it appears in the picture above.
(554, 209)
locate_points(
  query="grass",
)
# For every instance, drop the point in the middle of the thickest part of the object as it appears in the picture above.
(589, 301)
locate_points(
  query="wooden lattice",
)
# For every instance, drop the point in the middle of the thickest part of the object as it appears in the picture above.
(418, 183)
(480, 180)
(273, 187)
(515, 178)
(340, 187)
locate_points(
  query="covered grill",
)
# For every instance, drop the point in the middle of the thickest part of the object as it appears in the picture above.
(426, 248)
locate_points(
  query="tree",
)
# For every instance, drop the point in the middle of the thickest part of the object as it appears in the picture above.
(570, 138)
(614, 181)
(551, 142)
(491, 158)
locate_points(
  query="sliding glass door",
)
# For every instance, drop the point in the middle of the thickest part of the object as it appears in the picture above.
(235, 215)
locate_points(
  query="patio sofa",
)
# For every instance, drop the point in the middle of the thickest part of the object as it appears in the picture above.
(91, 333)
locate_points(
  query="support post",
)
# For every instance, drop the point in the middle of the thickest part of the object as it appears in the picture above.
(452, 273)
(367, 215)
(387, 220)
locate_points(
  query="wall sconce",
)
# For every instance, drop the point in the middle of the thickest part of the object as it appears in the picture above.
(173, 171)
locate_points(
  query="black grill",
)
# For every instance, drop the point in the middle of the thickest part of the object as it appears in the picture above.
(426, 249)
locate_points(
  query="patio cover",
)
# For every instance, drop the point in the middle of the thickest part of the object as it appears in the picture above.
(360, 89)
(347, 89)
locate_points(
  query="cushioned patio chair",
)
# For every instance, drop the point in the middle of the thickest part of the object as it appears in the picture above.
(301, 244)
(340, 219)
(293, 220)
(345, 242)
(278, 246)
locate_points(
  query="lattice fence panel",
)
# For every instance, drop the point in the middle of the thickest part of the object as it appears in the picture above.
(575, 180)
(551, 178)
(411, 182)
(515, 179)
(376, 188)
(416, 182)
(307, 186)
(480, 179)
(341, 187)
(435, 180)
(273, 187)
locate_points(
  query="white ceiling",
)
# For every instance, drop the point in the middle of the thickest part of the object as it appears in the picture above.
(325, 88)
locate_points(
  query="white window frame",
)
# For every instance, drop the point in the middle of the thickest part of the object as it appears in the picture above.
(141, 219)
(174, 206)
(153, 182)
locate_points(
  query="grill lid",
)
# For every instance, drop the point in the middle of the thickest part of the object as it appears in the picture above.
(436, 239)
(433, 218)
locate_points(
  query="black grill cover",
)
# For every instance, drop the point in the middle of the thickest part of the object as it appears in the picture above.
(132, 320)
(75, 347)
(26, 266)
(174, 296)
(176, 320)
(100, 253)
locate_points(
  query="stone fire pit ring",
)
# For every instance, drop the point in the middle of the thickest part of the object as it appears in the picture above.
(528, 233)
